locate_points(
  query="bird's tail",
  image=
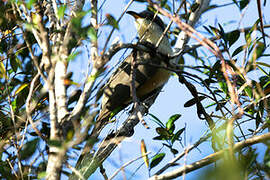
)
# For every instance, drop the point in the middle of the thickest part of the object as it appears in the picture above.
(101, 121)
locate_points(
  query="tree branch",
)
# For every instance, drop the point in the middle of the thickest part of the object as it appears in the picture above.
(211, 158)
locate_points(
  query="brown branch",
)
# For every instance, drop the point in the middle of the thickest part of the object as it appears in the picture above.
(211, 158)
(261, 19)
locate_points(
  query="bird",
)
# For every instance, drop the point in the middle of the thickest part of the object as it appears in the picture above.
(149, 78)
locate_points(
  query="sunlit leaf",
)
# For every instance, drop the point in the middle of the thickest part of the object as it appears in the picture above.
(42, 175)
(30, 3)
(248, 91)
(144, 153)
(223, 86)
(171, 121)
(2, 70)
(92, 34)
(61, 11)
(20, 88)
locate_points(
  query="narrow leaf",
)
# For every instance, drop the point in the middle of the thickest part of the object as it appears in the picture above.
(144, 153)
(233, 37)
(156, 160)
(20, 88)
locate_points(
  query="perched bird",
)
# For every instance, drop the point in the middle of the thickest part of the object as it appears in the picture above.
(148, 78)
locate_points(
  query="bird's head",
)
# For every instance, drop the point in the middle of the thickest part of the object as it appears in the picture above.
(150, 29)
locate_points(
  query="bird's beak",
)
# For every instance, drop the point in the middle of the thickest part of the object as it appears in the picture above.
(134, 14)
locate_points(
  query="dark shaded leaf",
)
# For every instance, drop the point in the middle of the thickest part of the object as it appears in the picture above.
(28, 149)
(156, 160)
(159, 138)
(238, 50)
(112, 21)
(193, 101)
(163, 132)
(243, 4)
(233, 37)
(15, 63)
(222, 33)
(194, 7)
(174, 151)
(55, 143)
(177, 135)
(156, 120)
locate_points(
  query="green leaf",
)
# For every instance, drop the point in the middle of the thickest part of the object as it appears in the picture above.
(92, 34)
(263, 64)
(42, 175)
(223, 86)
(238, 50)
(243, 4)
(61, 11)
(30, 3)
(215, 31)
(193, 101)
(72, 56)
(156, 160)
(163, 3)
(21, 87)
(15, 63)
(233, 37)
(159, 138)
(222, 33)
(112, 21)
(177, 135)
(28, 149)
(2, 70)
(248, 91)
(258, 52)
(174, 151)
(163, 132)
(55, 143)
(171, 121)
(156, 120)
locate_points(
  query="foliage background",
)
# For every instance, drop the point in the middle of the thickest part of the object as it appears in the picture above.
(170, 101)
